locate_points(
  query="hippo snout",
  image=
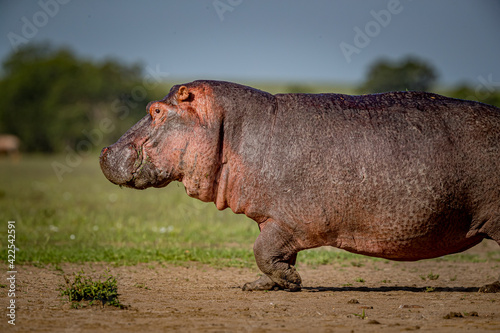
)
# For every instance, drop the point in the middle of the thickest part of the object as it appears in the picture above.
(119, 163)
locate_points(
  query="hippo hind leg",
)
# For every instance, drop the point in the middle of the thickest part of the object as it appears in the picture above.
(275, 255)
(262, 283)
(493, 287)
(265, 282)
(493, 233)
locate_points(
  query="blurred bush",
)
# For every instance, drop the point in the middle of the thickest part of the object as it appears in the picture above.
(52, 99)
(56, 101)
(410, 73)
(481, 92)
(414, 74)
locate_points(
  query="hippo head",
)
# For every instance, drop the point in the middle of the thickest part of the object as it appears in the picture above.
(178, 139)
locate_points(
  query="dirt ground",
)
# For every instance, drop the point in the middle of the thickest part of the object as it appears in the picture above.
(394, 297)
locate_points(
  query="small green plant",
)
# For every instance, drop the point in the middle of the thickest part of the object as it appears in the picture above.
(430, 276)
(360, 280)
(141, 285)
(362, 315)
(77, 305)
(38, 264)
(357, 264)
(429, 289)
(58, 268)
(83, 288)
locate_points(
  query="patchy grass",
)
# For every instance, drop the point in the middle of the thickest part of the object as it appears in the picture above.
(83, 288)
(86, 218)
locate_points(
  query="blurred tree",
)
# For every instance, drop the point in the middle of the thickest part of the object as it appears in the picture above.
(465, 91)
(50, 98)
(298, 88)
(409, 74)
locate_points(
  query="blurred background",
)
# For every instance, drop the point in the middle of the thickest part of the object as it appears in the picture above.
(75, 75)
(67, 65)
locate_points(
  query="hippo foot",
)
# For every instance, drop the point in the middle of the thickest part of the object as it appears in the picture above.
(265, 283)
(491, 288)
(262, 283)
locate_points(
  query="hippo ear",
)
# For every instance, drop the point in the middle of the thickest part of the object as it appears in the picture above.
(183, 94)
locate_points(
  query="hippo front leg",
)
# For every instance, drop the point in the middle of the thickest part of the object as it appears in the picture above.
(275, 255)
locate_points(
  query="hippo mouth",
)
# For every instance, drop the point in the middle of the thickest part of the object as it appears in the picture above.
(131, 167)
(139, 165)
(146, 174)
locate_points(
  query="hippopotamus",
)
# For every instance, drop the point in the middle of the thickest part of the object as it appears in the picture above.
(397, 175)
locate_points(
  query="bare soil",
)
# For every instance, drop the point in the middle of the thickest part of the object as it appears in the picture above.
(374, 296)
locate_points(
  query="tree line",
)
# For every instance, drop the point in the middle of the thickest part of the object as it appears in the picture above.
(54, 100)
(51, 99)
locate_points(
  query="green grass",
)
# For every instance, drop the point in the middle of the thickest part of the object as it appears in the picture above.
(85, 218)
(84, 288)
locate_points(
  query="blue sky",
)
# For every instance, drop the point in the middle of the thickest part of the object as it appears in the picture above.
(244, 40)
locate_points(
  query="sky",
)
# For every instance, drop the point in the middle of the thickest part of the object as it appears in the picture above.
(265, 40)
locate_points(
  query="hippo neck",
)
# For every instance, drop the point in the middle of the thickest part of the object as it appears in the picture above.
(244, 139)
(201, 164)
(232, 145)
